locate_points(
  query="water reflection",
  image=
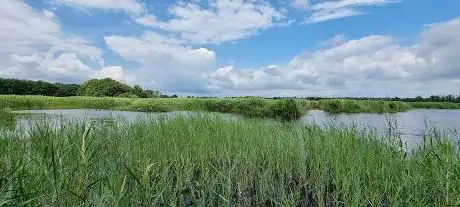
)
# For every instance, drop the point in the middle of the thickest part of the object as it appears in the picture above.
(411, 125)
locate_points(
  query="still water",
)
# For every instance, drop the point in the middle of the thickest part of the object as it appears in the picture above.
(411, 125)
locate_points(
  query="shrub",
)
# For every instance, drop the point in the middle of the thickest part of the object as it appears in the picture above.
(286, 110)
(332, 106)
(252, 107)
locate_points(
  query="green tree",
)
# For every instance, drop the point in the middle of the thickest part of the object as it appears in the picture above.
(104, 87)
(152, 93)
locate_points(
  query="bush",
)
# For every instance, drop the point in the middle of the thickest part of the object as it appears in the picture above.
(286, 110)
(224, 106)
(252, 107)
(104, 87)
(332, 106)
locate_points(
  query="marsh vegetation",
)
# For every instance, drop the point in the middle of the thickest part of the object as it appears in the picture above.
(205, 161)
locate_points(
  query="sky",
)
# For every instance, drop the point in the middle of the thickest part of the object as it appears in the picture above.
(374, 48)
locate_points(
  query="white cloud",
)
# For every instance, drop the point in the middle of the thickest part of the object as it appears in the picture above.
(114, 72)
(131, 7)
(325, 15)
(300, 3)
(35, 47)
(49, 14)
(166, 61)
(67, 67)
(372, 66)
(336, 40)
(219, 21)
(338, 9)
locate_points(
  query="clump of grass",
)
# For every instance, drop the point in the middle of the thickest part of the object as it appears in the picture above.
(205, 161)
(355, 106)
(286, 110)
(7, 118)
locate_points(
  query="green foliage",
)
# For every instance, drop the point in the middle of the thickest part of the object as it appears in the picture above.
(286, 110)
(149, 105)
(24, 87)
(127, 95)
(104, 88)
(250, 107)
(139, 92)
(46, 102)
(435, 105)
(100, 88)
(355, 106)
(253, 107)
(7, 118)
(208, 161)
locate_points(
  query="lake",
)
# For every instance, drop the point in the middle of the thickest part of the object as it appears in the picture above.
(410, 125)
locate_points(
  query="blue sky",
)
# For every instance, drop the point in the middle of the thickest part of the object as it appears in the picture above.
(239, 47)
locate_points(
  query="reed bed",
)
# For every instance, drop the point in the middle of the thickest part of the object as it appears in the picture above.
(171, 104)
(207, 161)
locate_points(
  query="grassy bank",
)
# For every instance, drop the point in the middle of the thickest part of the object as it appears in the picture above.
(213, 162)
(251, 107)
(434, 105)
(355, 106)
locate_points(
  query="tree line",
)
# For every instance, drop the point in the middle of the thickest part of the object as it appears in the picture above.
(106, 87)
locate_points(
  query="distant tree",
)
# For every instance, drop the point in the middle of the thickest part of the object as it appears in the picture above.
(138, 91)
(104, 87)
(152, 93)
(26, 87)
(67, 90)
(418, 98)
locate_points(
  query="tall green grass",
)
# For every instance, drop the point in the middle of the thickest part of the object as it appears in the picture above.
(205, 161)
(355, 106)
(249, 107)
(435, 105)
(47, 102)
(7, 118)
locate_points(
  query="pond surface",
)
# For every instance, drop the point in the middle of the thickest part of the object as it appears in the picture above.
(28, 118)
(411, 125)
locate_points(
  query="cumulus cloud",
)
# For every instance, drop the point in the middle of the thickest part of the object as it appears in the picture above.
(114, 72)
(336, 40)
(373, 65)
(169, 63)
(35, 47)
(131, 7)
(218, 21)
